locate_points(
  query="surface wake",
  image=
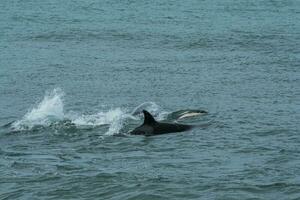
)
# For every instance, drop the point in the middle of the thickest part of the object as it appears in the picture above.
(50, 113)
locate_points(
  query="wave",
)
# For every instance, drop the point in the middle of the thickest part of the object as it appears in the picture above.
(50, 113)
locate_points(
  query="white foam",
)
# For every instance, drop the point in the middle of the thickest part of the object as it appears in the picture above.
(50, 109)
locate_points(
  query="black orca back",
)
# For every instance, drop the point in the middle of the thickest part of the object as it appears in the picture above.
(152, 127)
(162, 128)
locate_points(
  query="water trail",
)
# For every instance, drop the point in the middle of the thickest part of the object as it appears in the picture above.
(50, 113)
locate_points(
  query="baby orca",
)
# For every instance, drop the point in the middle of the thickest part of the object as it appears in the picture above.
(152, 127)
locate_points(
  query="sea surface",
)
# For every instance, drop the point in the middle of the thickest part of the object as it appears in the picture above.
(75, 76)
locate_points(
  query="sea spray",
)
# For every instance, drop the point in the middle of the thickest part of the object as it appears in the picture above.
(49, 110)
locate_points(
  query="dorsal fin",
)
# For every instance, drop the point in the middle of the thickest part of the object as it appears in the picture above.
(148, 118)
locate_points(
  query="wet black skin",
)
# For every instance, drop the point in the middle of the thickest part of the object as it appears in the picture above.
(152, 127)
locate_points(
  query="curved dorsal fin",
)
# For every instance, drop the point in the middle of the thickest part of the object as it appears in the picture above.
(148, 118)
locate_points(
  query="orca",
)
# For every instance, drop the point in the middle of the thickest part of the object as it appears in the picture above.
(152, 127)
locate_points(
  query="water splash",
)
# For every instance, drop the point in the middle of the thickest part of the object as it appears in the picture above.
(49, 110)
(114, 118)
(117, 122)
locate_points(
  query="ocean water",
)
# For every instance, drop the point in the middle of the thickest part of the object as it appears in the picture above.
(74, 76)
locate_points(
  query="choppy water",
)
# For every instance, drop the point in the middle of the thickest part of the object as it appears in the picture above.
(75, 74)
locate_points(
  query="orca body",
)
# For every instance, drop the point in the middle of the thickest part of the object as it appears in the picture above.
(152, 127)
